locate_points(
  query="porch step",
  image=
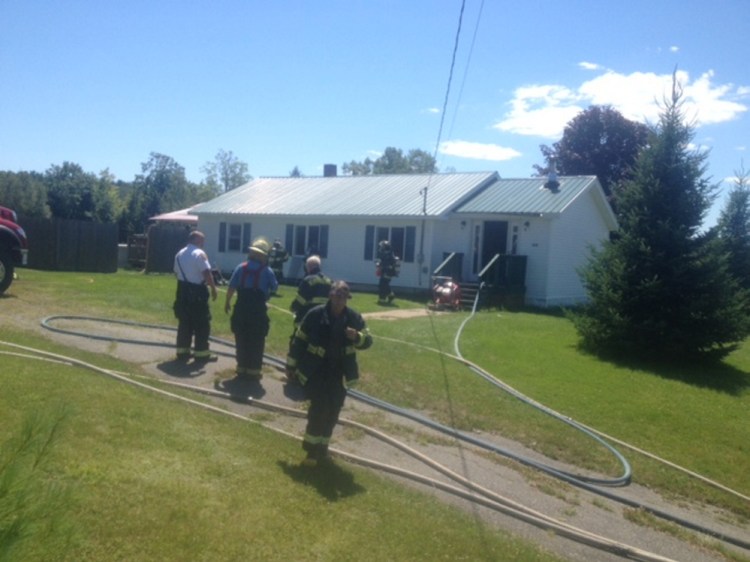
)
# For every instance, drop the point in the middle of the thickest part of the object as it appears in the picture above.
(468, 294)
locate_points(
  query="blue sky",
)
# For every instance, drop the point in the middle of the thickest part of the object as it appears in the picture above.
(303, 83)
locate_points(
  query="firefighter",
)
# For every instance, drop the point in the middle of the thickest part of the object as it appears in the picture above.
(324, 356)
(387, 266)
(193, 272)
(277, 257)
(253, 281)
(312, 291)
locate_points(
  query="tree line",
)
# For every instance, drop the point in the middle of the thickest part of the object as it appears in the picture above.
(67, 191)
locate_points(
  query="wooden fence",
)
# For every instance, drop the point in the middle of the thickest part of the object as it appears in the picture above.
(163, 242)
(70, 245)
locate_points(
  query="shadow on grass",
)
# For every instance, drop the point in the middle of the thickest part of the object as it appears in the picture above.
(294, 392)
(241, 388)
(181, 369)
(702, 372)
(329, 479)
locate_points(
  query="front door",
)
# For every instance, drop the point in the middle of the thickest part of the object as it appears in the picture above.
(494, 240)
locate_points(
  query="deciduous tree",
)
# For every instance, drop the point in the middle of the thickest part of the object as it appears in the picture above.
(75, 194)
(161, 187)
(598, 141)
(225, 172)
(25, 193)
(393, 161)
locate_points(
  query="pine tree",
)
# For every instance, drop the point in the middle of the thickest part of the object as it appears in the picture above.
(661, 288)
(733, 229)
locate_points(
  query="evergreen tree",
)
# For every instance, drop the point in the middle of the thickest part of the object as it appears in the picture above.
(660, 288)
(733, 229)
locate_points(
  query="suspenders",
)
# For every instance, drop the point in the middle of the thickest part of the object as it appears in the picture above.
(255, 274)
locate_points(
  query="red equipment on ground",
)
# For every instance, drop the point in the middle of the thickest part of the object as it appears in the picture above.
(446, 293)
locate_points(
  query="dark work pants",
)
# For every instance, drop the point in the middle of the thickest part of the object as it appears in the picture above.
(250, 343)
(194, 321)
(326, 400)
(384, 287)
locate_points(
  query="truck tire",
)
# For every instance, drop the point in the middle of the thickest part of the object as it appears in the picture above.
(6, 271)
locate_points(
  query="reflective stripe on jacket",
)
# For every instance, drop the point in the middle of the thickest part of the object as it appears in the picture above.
(320, 349)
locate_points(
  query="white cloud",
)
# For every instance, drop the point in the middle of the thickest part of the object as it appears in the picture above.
(589, 65)
(674, 49)
(636, 96)
(478, 151)
(432, 110)
(709, 102)
(540, 111)
(544, 110)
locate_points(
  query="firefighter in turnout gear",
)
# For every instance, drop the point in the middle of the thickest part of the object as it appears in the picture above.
(387, 267)
(324, 355)
(253, 281)
(193, 272)
(277, 257)
(313, 290)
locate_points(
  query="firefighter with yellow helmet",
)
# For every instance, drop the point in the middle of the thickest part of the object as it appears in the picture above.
(254, 282)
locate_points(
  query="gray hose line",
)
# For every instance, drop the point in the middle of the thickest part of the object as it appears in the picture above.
(484, 497)
(280, 363)
(522, 397)
(622, 480)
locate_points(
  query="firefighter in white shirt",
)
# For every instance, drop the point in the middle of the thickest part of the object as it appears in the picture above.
(194, 278)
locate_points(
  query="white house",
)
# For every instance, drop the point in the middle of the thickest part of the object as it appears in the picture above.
(471, 217)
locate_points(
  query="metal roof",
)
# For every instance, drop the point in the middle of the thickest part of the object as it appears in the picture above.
(386, 195)
(528, 196)
(182, 216)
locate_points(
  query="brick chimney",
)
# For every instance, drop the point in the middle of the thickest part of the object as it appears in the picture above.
(329, 171)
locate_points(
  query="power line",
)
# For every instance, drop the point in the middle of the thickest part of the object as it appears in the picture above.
(450, 79)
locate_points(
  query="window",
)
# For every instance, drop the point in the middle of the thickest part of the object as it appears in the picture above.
(403, 241)
(307, 240)
(234, 242)
(234, 237)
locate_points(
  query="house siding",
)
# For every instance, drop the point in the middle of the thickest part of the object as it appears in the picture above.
(346, 243)
(534, 242)
(572, 234)
(553, 229)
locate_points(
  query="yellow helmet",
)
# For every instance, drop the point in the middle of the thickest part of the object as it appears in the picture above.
(260, 245)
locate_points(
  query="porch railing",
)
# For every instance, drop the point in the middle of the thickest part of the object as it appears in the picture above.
(448, 267)
(503, 281)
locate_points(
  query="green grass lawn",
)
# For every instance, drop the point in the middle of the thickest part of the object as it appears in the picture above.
(187, 482)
